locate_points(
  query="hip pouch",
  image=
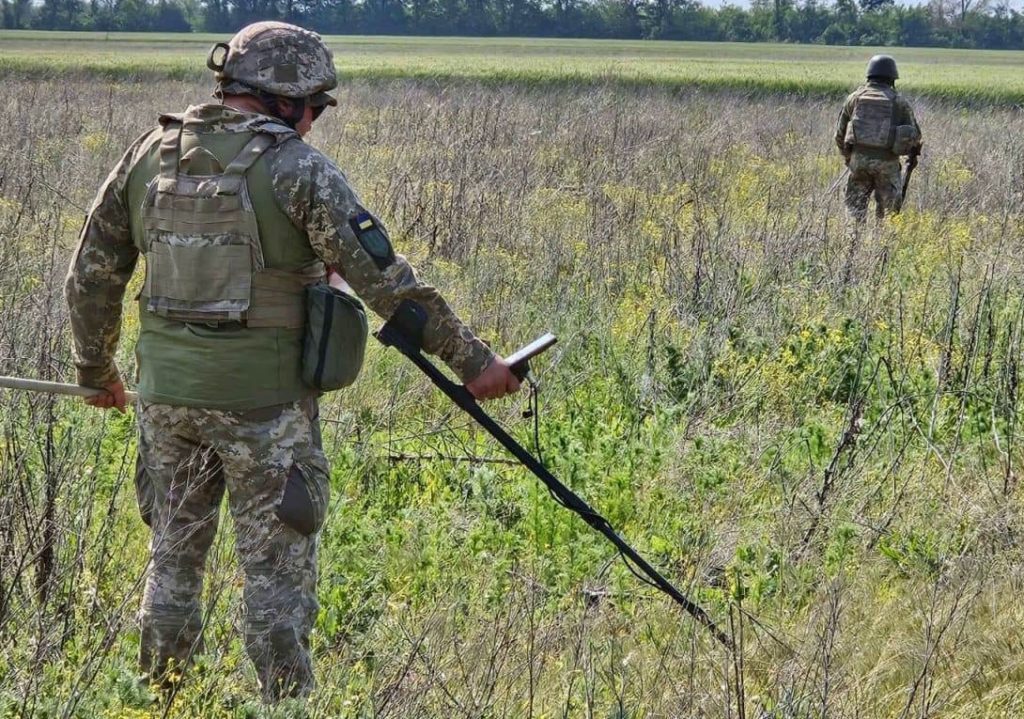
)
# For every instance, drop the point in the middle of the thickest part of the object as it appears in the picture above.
(335, 341)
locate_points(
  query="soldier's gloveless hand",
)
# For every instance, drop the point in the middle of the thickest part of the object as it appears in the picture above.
(494, 382)
(113, 396)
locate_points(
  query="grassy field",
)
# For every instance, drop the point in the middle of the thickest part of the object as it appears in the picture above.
(814, 435)
(954, 75)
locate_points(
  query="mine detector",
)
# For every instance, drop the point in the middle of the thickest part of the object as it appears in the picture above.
(404, 332)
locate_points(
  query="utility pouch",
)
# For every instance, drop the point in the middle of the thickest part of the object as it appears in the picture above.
(906, 139)
(201, 235)
(303, 505)
(144, 491)
(335, 341)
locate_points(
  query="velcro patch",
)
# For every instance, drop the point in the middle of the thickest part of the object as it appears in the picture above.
(373, 239)
(287, 72)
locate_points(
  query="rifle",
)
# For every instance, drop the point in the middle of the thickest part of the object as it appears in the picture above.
(404, 332)
(908, 171)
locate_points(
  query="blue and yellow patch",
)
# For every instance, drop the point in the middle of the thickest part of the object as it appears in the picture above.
(373, 239)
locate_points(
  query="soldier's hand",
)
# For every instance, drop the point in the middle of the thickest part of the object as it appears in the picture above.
(112, 396)
(494, 382)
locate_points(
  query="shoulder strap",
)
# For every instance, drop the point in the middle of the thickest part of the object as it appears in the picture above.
(170, 147)
(249, 154)
(892, 117)
(231, 181)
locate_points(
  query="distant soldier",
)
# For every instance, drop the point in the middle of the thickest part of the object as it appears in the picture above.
(239, 219)
(876, 126)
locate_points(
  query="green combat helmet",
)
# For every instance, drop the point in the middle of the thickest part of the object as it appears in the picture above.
(882, 67)
(277, 59)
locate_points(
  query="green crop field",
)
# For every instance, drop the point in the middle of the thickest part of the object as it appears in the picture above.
(811, 431)
(956, 75)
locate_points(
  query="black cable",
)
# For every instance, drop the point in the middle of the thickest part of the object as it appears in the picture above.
(534, 413)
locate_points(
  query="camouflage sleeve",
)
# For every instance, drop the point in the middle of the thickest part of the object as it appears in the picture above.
(908, 118)
(844, 120)
(100, 270)
(315, 194)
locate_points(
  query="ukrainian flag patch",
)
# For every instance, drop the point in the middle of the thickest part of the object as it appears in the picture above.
(373, 239)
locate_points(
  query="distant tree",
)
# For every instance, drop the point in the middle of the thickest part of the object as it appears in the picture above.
(656, 19)
(762, 20)
(617, 18)
(330, 17)
(693, 21)
(16, 14)
(215, 16)
(914, 27)
(60, 15)
(808, 21)
(425, 17)
(953, 23)
(525, 17)
(876, 5)
(565, 15)
(957, 10)
(734, 24)
(836, 34)
(846, 11)
(170, 17)
(383, 17)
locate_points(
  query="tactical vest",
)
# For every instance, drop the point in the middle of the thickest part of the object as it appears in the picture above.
(204, 258)
(222, 310)
(873, 124)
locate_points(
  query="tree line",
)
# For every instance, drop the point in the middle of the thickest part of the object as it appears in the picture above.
(941, 23)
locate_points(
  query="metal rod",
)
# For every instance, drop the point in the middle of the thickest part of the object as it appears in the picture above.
(73, 390)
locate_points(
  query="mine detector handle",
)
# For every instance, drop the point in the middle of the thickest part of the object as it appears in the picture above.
(404, 332)
(519, 361)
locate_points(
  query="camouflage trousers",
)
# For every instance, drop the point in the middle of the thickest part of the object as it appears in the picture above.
(871, 175)
(276, 476)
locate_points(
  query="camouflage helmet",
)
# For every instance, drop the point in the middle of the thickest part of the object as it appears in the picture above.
(275, 58)
(882, 66)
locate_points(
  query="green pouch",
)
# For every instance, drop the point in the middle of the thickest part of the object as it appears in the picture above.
(906, 139)
(335, 341)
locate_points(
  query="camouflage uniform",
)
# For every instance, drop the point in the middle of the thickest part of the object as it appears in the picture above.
(872, 171)
(879, 175)
(276, 476)
(268, 458)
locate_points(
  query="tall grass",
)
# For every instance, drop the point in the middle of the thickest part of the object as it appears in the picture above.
(816, 438)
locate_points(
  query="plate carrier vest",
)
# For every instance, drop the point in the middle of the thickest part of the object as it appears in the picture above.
(204, 258)
(873, 124)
